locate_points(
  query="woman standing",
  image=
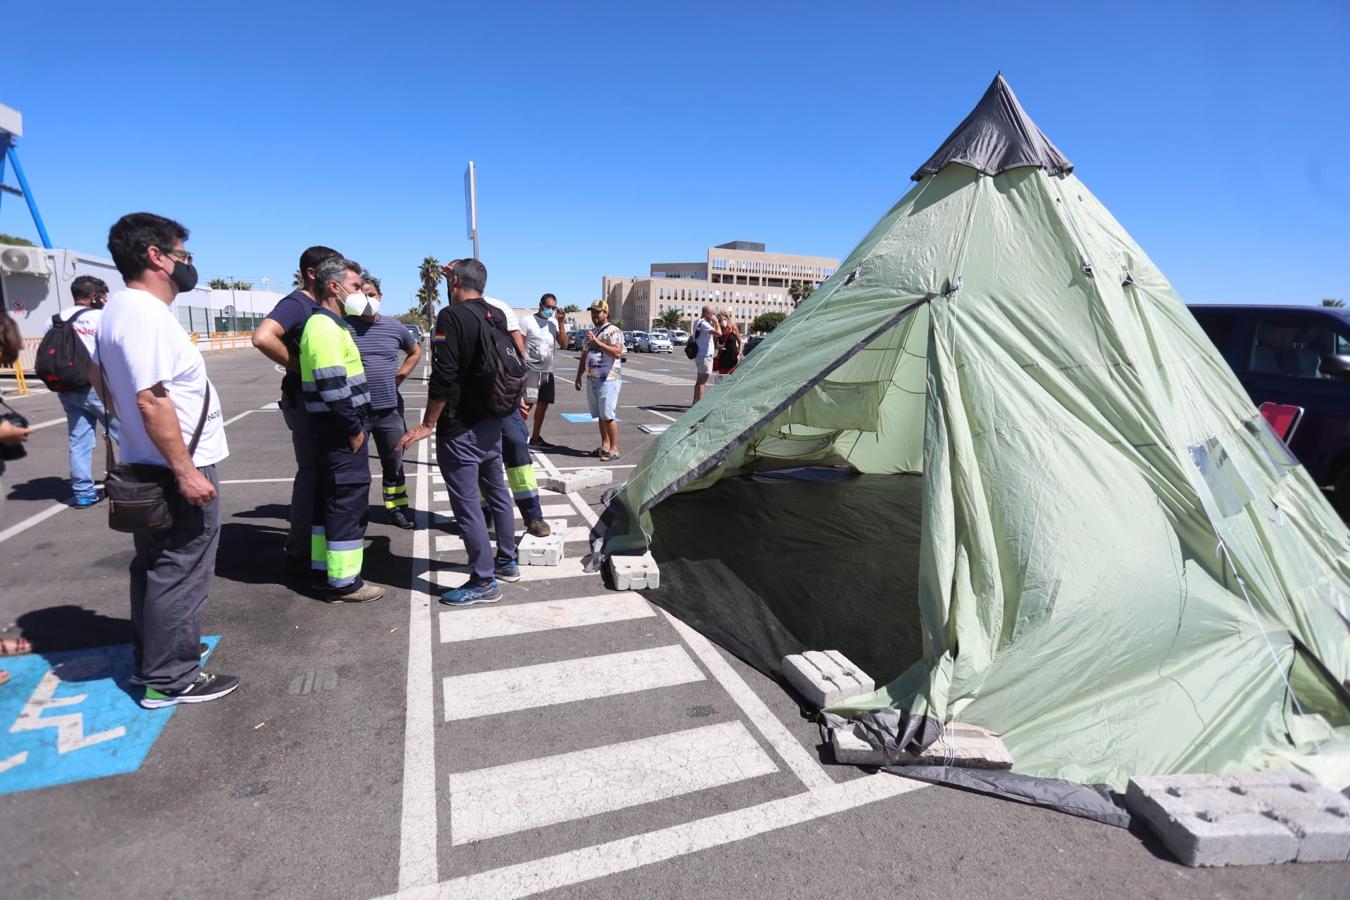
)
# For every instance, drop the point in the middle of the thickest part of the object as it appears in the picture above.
(730, 348)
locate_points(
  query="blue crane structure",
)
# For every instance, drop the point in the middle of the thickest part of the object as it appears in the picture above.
(11, 129)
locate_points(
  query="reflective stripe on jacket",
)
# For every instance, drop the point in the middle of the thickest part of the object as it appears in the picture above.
(332, 379)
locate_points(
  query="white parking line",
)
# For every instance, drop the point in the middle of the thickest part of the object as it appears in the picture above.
(21, 527)
(626, 854)
(568, 681)
(542, 615)
(505, 799)
(47, 424)
(417, 863)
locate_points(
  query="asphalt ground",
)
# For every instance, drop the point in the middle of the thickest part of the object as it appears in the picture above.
(403, 746)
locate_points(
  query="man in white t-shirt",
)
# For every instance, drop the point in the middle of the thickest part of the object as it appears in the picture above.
(542, 334)
(154, 380)
(706, 331)
(84, 409)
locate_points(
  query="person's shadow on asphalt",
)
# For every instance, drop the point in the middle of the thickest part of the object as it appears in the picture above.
(57, 633)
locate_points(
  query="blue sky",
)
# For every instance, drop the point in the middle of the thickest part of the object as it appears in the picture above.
(609, 136)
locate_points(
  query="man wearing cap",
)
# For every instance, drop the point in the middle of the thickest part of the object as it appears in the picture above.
(600, 354)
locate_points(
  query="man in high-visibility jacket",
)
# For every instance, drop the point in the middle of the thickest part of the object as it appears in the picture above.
(333, 385)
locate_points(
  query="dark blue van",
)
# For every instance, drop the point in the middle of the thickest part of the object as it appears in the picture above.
(1296, 355)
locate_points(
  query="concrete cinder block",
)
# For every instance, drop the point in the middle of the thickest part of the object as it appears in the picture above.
(966, 746)
(1319, 817)
(851, 750)
(824, 677)
(1219, 820)
(541, 551)
(571, 482)
(634, 573)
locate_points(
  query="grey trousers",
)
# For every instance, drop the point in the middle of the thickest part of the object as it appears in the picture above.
(306, 477)
(170, 578)
(470, 464)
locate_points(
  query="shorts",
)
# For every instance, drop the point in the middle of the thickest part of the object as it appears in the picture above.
(703, 364)
(603, 397)
(539, 388)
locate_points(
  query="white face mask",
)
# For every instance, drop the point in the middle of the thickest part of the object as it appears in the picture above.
(356, 304)
(373, 305)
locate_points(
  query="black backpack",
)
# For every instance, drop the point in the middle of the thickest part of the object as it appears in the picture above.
(62, 359)
(499, 380)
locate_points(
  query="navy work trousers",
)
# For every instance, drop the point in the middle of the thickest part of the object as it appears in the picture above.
(471, 465)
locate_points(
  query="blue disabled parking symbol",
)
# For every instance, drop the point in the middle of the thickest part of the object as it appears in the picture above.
(73, 715)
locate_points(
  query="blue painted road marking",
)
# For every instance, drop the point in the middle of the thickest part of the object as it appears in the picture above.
(74, 715)
(582, 417)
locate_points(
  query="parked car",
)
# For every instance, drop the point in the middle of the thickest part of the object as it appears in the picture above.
(415, 332)
(629, 339)
(679, 337)
(654, 342)
(750, 344)
(1299, 356)
(637, 339)
(575, 339)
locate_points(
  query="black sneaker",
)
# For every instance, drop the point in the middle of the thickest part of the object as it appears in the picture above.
(135, 679)
(207, 687)
(399, 518)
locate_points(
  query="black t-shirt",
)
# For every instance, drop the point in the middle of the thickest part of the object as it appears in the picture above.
(291, 313)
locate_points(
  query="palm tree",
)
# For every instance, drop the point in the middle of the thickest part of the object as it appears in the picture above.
(670, 318)
(297, 280)
(429, 294)
(799, 291)
(1333, 302)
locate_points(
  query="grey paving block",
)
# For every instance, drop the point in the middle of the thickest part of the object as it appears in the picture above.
(965, 746)
(1243, 819)
(634, 573)
(570, 482)
(851, 750)
(824, 677)
(542, 551)
(1319, 817)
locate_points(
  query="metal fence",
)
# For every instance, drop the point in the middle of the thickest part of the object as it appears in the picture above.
(209, 321)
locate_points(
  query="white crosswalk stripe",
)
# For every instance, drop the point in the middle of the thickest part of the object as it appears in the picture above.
(453, 543)
(452, 575)
(568, 681)
(656, 377)
(477, 623)
(505, 799)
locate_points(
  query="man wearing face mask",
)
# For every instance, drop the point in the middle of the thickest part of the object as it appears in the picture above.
(337, 399)
(389, 354)
(154, 380)
(542, 334)
(84, 409)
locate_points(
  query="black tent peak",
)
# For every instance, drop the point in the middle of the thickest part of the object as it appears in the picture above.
(997, 135)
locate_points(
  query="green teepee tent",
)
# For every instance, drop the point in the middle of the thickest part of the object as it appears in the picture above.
(995, 461)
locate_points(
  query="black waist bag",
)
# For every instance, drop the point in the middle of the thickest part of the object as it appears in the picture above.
(143, 498)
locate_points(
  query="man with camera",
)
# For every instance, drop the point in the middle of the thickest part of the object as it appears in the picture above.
(154, 380)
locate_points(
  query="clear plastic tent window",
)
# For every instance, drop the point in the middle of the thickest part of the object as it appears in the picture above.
(1230, 490)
